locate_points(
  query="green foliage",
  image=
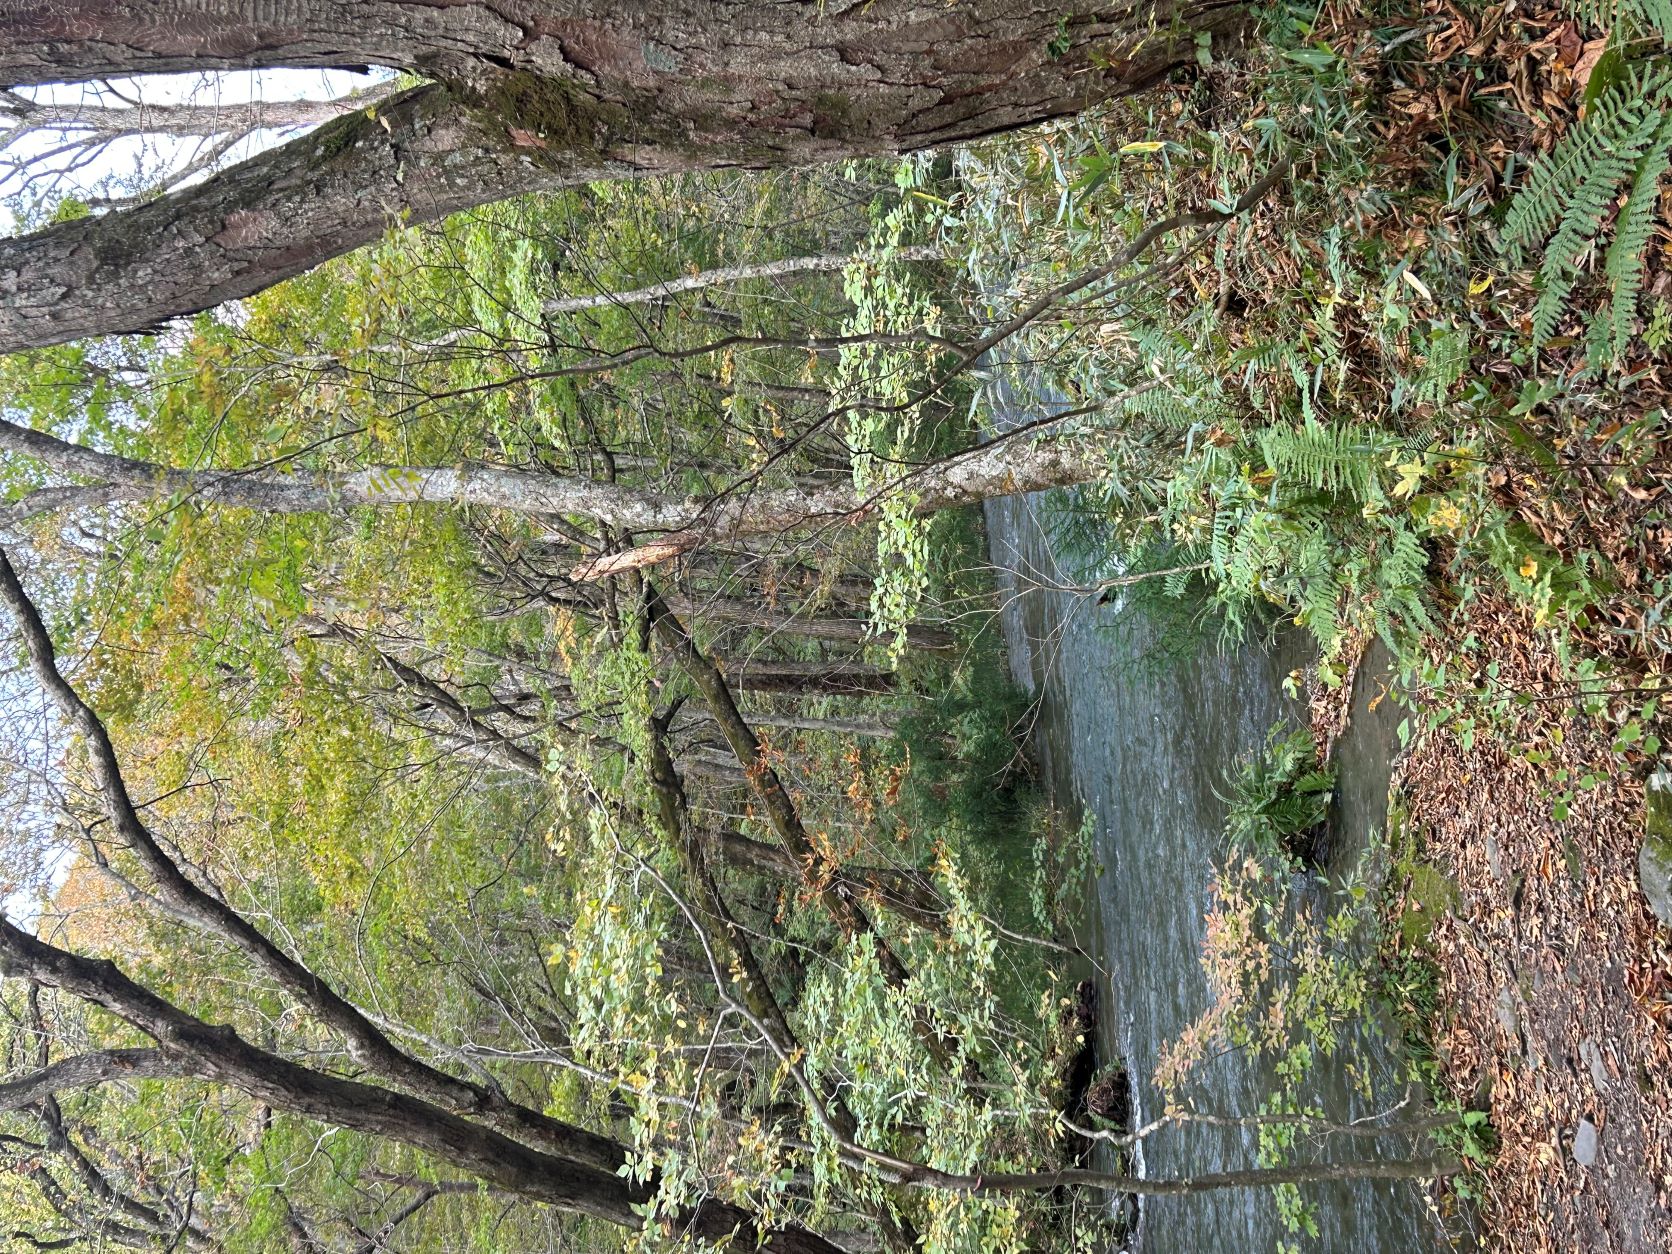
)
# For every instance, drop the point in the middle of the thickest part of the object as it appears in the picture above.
(1624, 139)
(1653, 17)
(963, 743)
(1277, 797)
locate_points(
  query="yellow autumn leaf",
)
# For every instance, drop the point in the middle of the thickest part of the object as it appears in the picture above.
(1480, 285)
(1445, 516)
(1529, 568)
(1410, 479)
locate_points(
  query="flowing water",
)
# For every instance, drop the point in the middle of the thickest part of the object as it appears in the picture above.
(1141, 747)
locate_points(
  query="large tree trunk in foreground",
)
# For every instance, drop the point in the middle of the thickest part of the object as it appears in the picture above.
(530, 96)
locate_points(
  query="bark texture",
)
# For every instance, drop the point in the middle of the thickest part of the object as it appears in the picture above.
(528, 96)
(1048, 459)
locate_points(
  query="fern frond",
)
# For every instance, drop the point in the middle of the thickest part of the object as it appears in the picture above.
(1624, 265)
(1646, 16)
(1613, 162)
(1542, 203)
(1345, 459)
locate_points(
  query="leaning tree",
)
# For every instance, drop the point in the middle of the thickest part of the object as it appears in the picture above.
(526, 96)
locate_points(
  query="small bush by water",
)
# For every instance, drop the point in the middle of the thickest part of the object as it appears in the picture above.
(1278, 797)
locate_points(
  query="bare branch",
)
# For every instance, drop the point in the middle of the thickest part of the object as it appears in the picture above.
(85, 1071)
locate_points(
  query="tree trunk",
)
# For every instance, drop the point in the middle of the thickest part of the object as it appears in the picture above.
(531, 96)
(907, 893)
(873, 728)
(779, 622)
(1045, 459)
(104, 122)
(1004, 467)
(825, 264)
(221, 1055)
(836, 678)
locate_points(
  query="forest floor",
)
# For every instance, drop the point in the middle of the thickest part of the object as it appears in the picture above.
(1546, 980)
(1551, 981)
(1539, 483)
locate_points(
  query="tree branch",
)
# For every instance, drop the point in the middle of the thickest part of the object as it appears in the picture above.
(85, 1071)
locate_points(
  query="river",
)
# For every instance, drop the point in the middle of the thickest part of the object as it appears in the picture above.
(1142, 747)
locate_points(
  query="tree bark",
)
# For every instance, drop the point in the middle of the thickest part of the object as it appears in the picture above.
(1046, 459)
(1005, 467)
(102, 122)
(872, 728)
(843, 905)
(85, 1071)
(725, 274)
(532, 96)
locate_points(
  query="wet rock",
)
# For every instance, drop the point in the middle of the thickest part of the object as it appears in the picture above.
(1508, 1020)
(1110, 1098)
(1494, 859)
(1585, 1143)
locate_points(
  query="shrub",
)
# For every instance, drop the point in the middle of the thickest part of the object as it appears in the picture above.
(1278, 796)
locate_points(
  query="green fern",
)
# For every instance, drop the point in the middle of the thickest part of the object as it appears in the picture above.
(1625, 136)
(1344, 459)
(1647, 16)
(1448, 361)
(1542, 200)
(1624, 266)
(1278, 796)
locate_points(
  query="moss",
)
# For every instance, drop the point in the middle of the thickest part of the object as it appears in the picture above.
(555, 112)
(339, 135)
(833, 115)
(1431, 896)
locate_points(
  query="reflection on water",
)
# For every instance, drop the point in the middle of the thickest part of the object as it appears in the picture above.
(1142, 748)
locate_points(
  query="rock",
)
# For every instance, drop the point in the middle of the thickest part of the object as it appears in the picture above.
(1585, 1143)
(1508, 1020)
(1591, 1052)
(1494, 859)
(1654, 861)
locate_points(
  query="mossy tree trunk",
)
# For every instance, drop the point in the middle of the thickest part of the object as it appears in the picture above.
(532, 96)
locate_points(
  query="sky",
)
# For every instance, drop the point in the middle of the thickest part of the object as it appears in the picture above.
(153, 154)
